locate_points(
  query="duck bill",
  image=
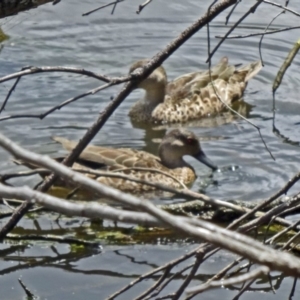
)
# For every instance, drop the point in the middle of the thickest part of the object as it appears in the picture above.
(205, 160)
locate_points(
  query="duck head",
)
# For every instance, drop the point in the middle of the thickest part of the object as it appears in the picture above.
(154, 85)
(180, 142)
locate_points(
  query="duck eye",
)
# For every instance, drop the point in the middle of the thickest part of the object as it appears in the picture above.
(190, 140)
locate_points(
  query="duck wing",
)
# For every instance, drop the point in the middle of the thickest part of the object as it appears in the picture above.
(222, 75)
(192, 96)
(112, 158)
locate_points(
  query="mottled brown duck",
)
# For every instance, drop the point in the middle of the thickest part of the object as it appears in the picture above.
(191, 96)
(168, 168)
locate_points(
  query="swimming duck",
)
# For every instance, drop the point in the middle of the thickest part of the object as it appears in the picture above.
(191, 96)
(168, 168)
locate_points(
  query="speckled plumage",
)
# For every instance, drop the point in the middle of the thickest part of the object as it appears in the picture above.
(190, 96)
(174, 146)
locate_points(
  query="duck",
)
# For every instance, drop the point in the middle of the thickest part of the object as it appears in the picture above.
(191, 96)
(168, 168)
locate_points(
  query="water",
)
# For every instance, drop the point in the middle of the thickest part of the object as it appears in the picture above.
(108, 44)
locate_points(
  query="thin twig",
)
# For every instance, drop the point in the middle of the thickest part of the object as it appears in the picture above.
(282, 191)
(261, 38)
(54, 238)
(103, 6)
(231, 11)
(285, 8)
(142, 6)
(257, 34)
(224, 282)
(251, 10)
(9, 93)
(29, 294)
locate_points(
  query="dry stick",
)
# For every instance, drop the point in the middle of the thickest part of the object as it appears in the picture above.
(4, 177)
(115, 6)
(29, 294)
(282, 232)
(201, 253)
(231, 11)
(58, 107)
(239, 279)
(293, 289)
(287, 62)
(158, 290)
(268, 227)
(33, 70)
(140, 75)
(133, 179)
(288, 243)
(256, 34)
(245, 287)
(186, 282)
(291, 182)
(223, 272)
(261, 38)
(53, 238)
(247, 227)
(133, 201)
(239, 269)
(46, 69)
(271, 283)
(103, 6)
(283, 69)
(287, 211)
(171, 278)
(88, 210)
(205, 248)
(93, 130)
(282, 191)
(151, 273)
(229, 240)
(231, 226)
(283, 7)
(238, 241)
(268, 215)
(292, 226)
(142, 6)
(154, 286)
(251, 10)
(9, 93)
(112, 174)
(216, 93)
(183, 193)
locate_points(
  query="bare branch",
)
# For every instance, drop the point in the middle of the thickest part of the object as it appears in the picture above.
(101, 7)
(232, 241)
(224, 282)
(142, 6)
(256, 34)
(283, 7)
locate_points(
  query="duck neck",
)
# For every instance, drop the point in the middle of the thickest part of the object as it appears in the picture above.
(155, 94)
(170, 160)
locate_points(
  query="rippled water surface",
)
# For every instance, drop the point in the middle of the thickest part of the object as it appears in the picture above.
(108, 44)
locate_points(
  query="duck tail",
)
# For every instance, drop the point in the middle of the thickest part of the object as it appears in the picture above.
(252, 69)
(67, 144)
(32, 166)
